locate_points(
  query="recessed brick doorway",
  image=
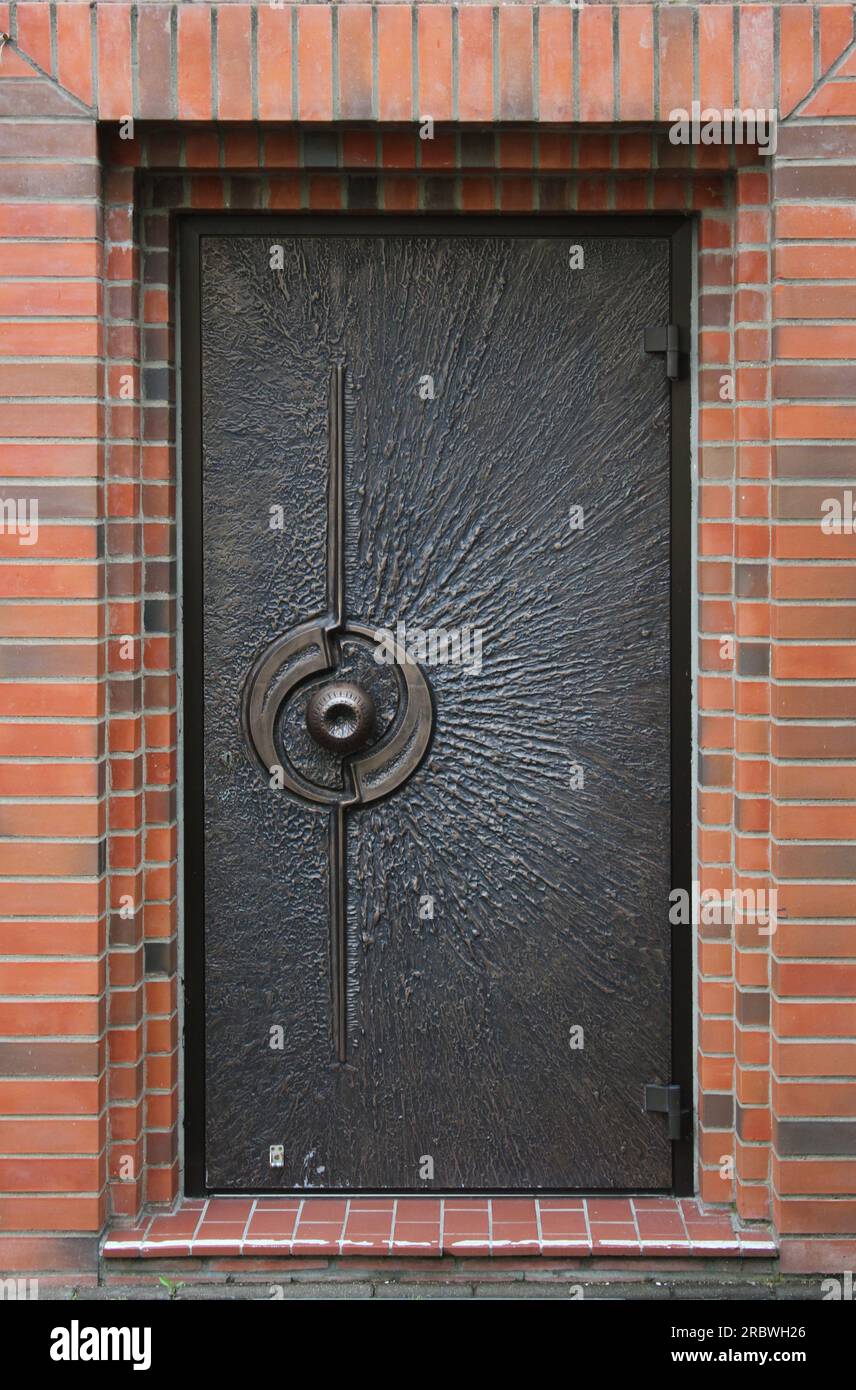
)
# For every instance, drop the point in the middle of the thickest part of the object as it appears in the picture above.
(440, 959)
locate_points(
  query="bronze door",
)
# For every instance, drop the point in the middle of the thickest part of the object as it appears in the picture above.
(430, 697)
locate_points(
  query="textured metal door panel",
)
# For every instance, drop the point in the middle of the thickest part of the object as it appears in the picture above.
(549, 896)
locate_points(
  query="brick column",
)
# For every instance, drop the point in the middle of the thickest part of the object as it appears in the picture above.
(125, 745)
(715, 659)
(52, 660)
(814, 670)
(752, 688)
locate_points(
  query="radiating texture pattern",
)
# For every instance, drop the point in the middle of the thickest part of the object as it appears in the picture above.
(515, 890)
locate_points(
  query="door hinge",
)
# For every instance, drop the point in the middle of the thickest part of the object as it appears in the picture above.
(666, 1100)
(664, 338)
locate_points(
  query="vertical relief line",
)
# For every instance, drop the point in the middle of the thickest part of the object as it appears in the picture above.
(336, 608)
(336, 497)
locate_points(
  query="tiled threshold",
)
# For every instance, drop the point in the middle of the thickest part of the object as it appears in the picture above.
(412, 1226)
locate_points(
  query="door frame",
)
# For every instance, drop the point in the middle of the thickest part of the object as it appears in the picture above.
(679, 230)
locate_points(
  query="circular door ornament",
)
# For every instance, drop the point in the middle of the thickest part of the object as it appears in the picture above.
(340, 716)
(372, 770)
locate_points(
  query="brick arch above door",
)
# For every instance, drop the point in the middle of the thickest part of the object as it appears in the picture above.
(397, 62)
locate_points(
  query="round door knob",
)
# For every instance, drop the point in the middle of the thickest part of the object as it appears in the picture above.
(341, 716)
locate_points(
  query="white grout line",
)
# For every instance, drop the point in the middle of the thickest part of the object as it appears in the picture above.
(297, 1221)
(391, 1241)
(684, 1222)
(202, 1214)
(341, 1239)
(252, 1213)
(589, 1236)
(538, 1225)
(635, 1221)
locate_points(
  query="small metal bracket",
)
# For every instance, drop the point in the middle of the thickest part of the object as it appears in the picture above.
(277, 1155)
(666, 1100)
(664, 338)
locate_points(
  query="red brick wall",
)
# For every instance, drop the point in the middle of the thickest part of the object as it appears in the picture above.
(813, 664)
(89, 1098)
(53, 803)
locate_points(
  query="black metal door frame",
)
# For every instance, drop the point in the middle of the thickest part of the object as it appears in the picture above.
(192, 227)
